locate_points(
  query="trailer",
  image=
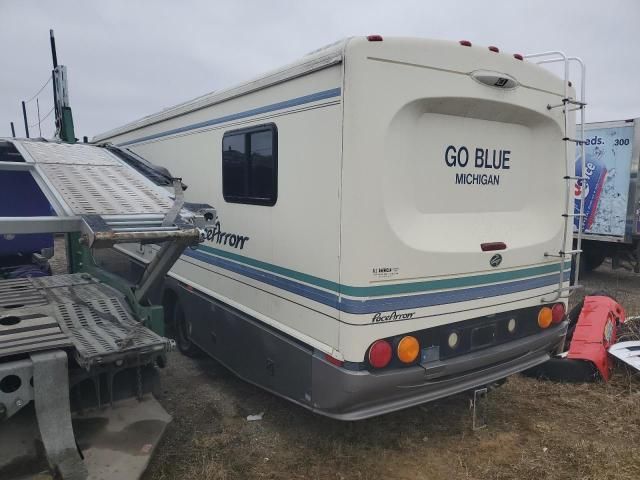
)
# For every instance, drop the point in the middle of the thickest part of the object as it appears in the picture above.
(394, 221)
(79, 352)
(612, 194)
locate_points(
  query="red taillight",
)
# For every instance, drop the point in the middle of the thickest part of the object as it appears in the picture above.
(494, 49)
(374, 38)
(517, 56)
(491, 246)
(557, 312)
(334, 361)
(380, 354)
(465, 43)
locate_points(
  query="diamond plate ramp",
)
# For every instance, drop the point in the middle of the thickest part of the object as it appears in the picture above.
(105, 189)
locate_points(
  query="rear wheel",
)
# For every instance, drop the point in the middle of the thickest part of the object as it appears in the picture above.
(183, 328)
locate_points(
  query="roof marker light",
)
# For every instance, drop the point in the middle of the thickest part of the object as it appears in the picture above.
(374, 38)
(518, 56)
(465, 43)
(494, 49)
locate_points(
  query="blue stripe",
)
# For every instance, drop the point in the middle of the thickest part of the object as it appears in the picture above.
(355, 306)
(442, 298)
(294, 102)
(320, 296)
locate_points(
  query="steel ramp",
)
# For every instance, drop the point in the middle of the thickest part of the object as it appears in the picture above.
(98, 194)
(93, 190)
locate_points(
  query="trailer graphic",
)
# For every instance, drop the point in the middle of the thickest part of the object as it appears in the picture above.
(612, 201)
(608, 171)
(370, 281)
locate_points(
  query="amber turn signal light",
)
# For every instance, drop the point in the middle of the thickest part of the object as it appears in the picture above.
(408, 349)
(545, 317)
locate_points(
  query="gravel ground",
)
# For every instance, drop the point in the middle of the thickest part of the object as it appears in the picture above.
(536, 430)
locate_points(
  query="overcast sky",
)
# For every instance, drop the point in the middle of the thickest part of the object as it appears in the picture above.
(127, 58)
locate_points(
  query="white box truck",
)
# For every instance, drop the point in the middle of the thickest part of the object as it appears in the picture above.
(612, 198)
(388, 214)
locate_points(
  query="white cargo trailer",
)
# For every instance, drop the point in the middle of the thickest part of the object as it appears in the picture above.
(391, 213)
(612, 196)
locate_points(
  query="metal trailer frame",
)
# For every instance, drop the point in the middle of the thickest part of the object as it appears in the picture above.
(95, 321)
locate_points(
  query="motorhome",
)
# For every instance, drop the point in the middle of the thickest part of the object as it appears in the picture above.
(392, 222)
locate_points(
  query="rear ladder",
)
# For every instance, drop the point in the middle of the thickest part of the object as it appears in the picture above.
(569, 104)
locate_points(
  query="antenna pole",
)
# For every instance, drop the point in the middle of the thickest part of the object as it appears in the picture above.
(38, 107)
(54, 56)
(24, 115)
(64, 117)
(13, 130)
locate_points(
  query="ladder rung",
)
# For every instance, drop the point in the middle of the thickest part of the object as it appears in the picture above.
(568, 139)
(570, 288)
(569, 101)
(569, 177)
(563, 254)
(567, 215)
(564, 289)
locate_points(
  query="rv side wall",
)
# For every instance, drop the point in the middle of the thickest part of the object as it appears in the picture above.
(260, 258)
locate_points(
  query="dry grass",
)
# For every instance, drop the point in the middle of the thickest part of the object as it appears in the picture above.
(537, 430)
(630, 330)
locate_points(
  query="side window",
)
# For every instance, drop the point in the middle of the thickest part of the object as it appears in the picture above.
(250, 165)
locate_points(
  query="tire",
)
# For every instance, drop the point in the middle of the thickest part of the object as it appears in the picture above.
(182, 329)
(565, 370)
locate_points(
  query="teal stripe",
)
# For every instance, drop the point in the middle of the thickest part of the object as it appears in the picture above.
(303, 277)
(393, 289)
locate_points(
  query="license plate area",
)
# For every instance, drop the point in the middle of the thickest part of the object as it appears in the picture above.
(483, 336)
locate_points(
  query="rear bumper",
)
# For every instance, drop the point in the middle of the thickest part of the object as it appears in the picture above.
(355, 395)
